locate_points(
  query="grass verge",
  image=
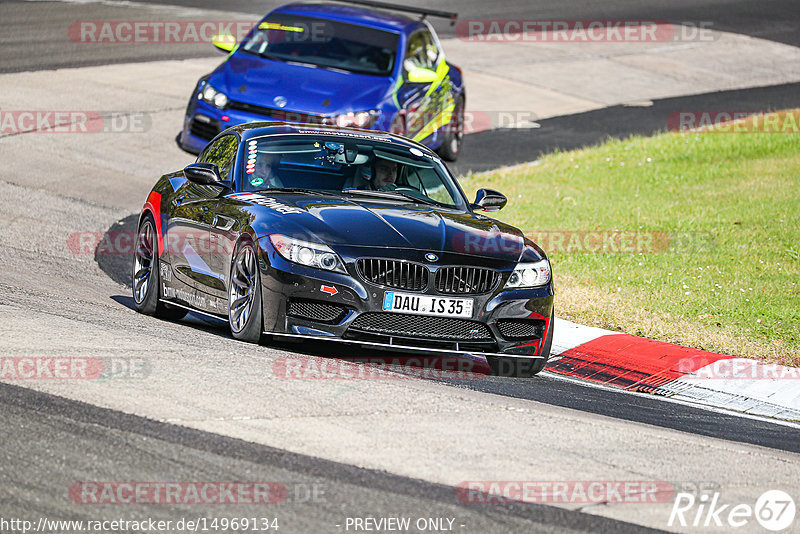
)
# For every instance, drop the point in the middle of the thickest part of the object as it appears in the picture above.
(691, 238)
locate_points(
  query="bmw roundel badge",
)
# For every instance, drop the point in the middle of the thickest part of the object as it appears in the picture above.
(430, 256)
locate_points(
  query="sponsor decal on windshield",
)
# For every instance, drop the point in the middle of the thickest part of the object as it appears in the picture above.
(347, 134)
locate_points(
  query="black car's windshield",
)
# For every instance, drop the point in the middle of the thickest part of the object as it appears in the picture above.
(360, 167)
(324, 43)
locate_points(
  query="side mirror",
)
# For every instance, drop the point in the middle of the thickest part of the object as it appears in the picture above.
(489, 200)
(203, 174)
(224, 42)
(418, 75)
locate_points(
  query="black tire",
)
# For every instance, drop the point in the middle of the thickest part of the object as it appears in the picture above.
(523, 367)
(146, 275)
(244, 295)
(454, 133)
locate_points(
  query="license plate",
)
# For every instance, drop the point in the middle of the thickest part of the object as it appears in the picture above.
(426, 304)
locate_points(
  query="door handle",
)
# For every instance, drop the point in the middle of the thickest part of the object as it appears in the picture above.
(223, 223)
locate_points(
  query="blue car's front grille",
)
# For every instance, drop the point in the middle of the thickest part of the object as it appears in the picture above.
(279, 114)
(204, 127)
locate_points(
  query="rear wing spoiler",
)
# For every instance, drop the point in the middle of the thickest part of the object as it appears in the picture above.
(408, 9)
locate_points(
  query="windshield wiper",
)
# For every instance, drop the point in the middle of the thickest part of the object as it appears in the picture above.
(391, 195)
(298, 190)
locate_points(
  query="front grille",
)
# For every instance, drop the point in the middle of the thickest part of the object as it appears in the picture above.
(515, 329)
(465, 280)
(323, 312)
(394, 273)
(279, 114)
(204, 129)
(419, 326)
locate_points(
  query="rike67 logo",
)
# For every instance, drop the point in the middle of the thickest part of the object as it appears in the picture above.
(774, 510)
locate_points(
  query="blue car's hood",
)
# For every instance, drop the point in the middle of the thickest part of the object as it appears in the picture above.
(255, 80)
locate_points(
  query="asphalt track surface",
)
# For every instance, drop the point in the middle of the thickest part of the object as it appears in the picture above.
(547, 389)
(775, 20)
(319, 494)
(50, 442)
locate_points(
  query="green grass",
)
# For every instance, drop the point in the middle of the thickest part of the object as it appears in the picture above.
(728, 279)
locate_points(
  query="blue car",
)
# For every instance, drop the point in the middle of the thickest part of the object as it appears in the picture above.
(335, 65)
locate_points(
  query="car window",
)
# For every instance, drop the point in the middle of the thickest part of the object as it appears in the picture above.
(223, 154)
(427, 182)
(348, 165)
(324, 43)
(421, 52)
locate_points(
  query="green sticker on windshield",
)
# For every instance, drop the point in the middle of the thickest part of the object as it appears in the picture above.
(256, 181)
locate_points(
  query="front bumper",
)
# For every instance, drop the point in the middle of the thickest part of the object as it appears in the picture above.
(203, 121)
(306, 302)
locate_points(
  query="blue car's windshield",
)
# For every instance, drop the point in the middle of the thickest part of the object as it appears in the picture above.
(356, 166)
(324, 43)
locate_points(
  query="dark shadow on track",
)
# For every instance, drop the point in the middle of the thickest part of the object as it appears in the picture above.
(125, 301)
(116, 262)
(650, 410)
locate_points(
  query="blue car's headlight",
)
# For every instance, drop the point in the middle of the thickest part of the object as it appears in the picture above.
(314, 255)
(529, 275)
(210, 95)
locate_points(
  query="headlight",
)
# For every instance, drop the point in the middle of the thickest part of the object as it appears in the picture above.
(360, 119)
(209, 95)
(310, 254)
(529, 275)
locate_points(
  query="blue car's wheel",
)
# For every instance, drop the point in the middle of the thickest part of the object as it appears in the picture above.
(454, 133)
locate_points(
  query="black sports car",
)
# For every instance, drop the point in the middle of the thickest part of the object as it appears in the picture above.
(347, 235)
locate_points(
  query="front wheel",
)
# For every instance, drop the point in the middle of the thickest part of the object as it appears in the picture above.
(454, 133)
(145, 278)
(244, 295)
(524, 367)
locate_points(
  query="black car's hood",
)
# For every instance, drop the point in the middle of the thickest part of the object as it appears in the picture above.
(375, 223)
